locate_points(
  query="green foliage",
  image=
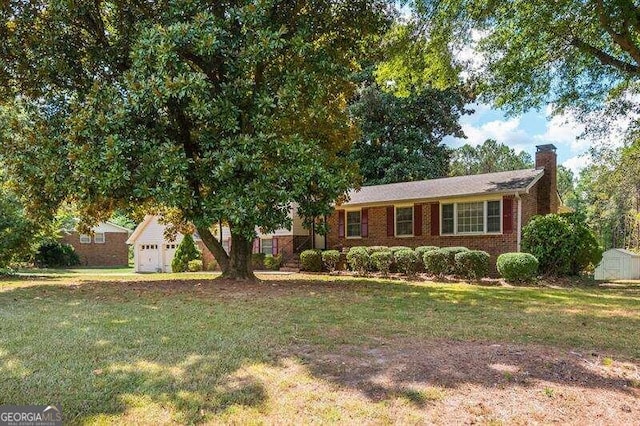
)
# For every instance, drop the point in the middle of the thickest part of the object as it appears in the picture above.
(517, 267)
(451, 252)
(311, 260)
(570, 54)
(562, 244)
(487, 158)
(359, 260)
(382, 261)
(54, 254)
(420, 251)
(373, 249)
(394, 249)
(331, 259)
(195, 265)
(257, 261)
(402, 136)
(272, 262)
(407, 261)
(186, 252)
(472, 264)
(17, 232)
(436, 262)
(230, 112)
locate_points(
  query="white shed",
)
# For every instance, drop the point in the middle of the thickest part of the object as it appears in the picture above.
(618, 264)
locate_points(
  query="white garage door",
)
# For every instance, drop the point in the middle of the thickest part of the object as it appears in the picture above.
(148, 258)
(169, 252)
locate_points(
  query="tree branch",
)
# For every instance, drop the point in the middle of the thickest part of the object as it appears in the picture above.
(623, 38)
(604, 57)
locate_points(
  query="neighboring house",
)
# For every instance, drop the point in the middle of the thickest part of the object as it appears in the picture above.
(153, 251)
(484, 212)
(106, 245)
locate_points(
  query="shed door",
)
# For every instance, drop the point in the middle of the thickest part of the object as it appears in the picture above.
(169, 252)
(613, 268)
(148, 258)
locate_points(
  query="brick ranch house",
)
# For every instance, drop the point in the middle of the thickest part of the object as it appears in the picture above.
(483, 212)
(105, 246)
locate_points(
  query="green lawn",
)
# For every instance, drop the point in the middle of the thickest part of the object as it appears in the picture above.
(183, 348)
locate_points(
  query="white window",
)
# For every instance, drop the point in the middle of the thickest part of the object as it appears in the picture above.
(470, 218)
(98, 238)
(85, 239)
(266, 246)
(478, 217)
(404, 221)
(354, 223)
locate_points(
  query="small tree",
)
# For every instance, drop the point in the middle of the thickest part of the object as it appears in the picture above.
(186, 252)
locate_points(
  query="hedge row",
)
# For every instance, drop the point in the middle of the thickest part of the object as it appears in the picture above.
(471, 264)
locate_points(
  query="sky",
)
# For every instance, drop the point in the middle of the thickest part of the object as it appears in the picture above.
(524, 132)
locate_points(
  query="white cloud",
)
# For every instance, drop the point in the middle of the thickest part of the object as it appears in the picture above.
(504, 131)
(564, 129)
(577, 163)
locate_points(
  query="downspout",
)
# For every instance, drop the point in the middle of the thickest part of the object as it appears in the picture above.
(519, 231)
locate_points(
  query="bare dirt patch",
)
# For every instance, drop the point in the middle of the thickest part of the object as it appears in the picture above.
(472, 382)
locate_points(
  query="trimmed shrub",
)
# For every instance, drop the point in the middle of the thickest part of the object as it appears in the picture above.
(272, 262)
(517, 267)
(54, 254)
(562, 243)
(359, 260)
(311, 260)
(331, 259)
(374, 249)
(407, 261)
(451, 257)
(394, 249)
(436, 262)
(473, 264)
(420, 251)
(257, 261)
(186, 252)
(382, 261)
(195, 265)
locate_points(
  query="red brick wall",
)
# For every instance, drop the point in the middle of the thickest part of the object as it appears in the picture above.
(114, 251)
(547, 191)
(493, 244)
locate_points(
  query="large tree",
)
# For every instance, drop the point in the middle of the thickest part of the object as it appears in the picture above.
(401, 136)
(215, 111)
(489, 157)
(574, 54)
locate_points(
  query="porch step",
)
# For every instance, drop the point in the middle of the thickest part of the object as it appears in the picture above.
(292, 264)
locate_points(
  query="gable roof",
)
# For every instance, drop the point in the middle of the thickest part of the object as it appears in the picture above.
(142, 225)
(460, 186)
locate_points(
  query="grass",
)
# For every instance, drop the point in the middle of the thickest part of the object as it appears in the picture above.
(118, 347)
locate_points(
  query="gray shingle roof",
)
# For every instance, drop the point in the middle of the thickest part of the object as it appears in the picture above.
(459, 186)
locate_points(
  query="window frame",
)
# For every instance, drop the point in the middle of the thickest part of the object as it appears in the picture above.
(485, 210)
(395, 220)
(85, 239)
(262, 240)
(95, 239)
(346, 224)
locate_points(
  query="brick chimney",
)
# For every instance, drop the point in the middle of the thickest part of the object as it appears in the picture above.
(547, 160)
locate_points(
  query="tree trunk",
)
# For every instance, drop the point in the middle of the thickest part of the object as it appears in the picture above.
(239, 267)
(214, 246)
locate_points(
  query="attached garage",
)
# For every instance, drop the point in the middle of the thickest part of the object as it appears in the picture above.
(618, 264)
